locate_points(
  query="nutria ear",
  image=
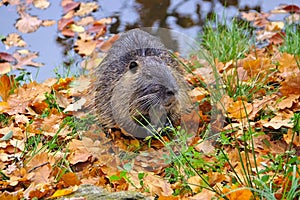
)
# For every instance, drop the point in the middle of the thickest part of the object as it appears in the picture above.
(133, 66)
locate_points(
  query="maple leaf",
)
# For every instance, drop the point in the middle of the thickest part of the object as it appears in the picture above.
(25, 58)
(27, 23)
(14, 39)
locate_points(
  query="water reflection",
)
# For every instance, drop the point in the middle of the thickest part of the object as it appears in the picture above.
(184, 16)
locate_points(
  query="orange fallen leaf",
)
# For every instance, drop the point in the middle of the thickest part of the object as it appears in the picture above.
(85, 47)
(235, 193)
(70, 179)
(239, 109)
(6, 84)
(292, 137)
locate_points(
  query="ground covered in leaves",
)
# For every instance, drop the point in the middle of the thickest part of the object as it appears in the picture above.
(50, 144)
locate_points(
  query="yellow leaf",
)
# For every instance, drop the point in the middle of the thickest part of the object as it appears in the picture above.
(64, 192)
(75, 28)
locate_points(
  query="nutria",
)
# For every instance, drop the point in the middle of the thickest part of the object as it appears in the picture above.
(139, 85)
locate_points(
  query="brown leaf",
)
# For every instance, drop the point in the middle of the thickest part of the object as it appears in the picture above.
(291, 8)
(279, 121)
(40, 166)
(70, 179)
(5, 67)
(42, 4)
(239, 109)
(291, 85)
(78, 152)
(6, 84)
(27, 23)
(14, 39)
(86, 8)
(106, 45)
(7, 57)
(25, 58)
(68, 6)
(277, 38)
(288, 102)
(292, 137)
(85, 47)
(288, 64)
(48, 22)
(203, 195)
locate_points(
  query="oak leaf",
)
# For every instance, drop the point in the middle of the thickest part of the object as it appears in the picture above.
(279, 121)
(78, 152)
(40, 166)
(25, 58)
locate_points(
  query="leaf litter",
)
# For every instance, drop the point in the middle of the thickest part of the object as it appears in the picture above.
(61, 155)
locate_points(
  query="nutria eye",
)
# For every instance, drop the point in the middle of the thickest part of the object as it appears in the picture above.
(133, 66)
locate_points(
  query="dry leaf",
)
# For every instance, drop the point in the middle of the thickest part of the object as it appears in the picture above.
(85, 47)
(239, 109)
(6, 84)
(235, 193)
(5, 68)
(48, 22)
(86, 8)
(78, 152)
(27, 23)
(25, 59)
(42, 4)
(14, 39)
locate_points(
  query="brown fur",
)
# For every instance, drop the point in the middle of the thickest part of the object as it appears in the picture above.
(154, 88)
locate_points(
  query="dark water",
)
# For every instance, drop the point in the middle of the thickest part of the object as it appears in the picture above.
(184, 16)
